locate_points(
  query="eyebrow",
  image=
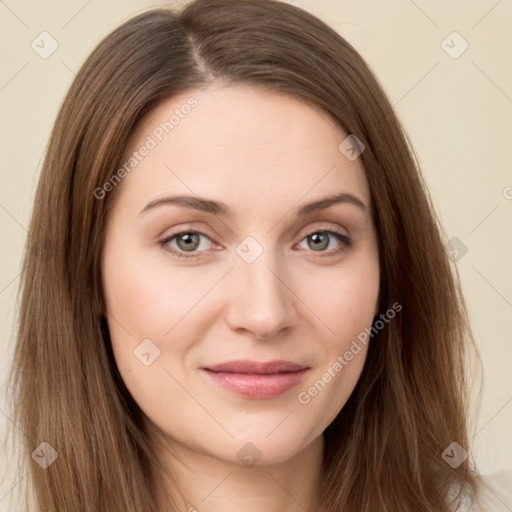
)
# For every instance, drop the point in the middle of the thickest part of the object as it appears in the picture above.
(220, 208)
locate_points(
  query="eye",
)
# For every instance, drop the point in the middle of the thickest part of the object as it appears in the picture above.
(186, 242)
(324, 240)
(190, 243)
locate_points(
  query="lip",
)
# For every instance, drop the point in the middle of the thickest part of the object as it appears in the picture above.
(253, 379)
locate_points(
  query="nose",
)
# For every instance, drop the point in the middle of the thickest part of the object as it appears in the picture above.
(261, 298)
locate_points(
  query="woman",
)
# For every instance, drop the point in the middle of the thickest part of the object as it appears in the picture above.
(235, 289)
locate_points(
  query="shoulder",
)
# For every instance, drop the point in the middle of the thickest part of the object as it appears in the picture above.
(494, 494)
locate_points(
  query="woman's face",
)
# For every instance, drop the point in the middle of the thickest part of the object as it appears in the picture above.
(267, 269)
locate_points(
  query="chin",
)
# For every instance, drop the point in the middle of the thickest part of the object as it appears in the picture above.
(263, 449)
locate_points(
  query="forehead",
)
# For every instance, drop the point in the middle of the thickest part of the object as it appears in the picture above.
(239, 141)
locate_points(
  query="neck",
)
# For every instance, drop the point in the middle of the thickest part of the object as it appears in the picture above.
(209, 484)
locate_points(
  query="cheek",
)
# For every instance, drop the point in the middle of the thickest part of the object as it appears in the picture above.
(346, 304)
(344, 300)
(147, 309)
(148, 300)
(151, 300)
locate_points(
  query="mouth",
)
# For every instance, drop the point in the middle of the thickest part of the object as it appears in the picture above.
(257, 380)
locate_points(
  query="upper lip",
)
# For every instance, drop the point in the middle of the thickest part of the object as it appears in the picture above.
(256, 368)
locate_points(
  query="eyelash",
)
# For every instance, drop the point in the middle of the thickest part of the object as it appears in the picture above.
(346, 243)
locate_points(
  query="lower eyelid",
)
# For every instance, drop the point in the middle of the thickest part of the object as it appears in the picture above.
(343, 239)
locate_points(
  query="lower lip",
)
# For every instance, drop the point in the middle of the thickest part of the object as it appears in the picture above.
(257, 386)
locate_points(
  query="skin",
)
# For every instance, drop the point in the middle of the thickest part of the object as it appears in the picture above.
(264, 155)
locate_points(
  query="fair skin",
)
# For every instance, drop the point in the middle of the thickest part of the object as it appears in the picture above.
(264, 156)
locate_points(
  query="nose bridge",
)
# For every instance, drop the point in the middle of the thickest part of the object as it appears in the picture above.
(261, 302)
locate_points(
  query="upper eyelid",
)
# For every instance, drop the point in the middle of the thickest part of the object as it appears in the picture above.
(197, 231)
(186, 230)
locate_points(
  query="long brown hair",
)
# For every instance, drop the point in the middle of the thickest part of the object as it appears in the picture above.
(383, 452)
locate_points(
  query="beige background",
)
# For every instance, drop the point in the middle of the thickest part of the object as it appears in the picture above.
(457, 111)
